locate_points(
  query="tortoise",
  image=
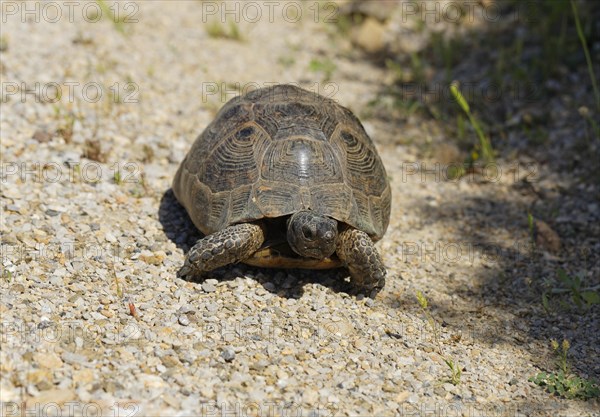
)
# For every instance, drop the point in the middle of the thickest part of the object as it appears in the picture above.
(286, 178)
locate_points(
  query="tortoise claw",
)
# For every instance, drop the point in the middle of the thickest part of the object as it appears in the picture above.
(184, 271)
(374, 291)
(370, 292)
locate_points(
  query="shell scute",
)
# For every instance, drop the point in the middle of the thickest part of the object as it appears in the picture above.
(278, 150)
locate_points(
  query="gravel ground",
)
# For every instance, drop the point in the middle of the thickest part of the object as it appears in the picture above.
(94, 318)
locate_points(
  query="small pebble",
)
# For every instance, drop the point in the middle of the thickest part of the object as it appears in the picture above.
(52, 213)
(184, 320)
(208, 286)
(228, 354)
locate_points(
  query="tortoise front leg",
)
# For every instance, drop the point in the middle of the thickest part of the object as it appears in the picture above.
(356, 249)
(230, 245)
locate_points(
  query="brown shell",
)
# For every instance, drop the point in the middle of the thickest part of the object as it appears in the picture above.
(278, 150)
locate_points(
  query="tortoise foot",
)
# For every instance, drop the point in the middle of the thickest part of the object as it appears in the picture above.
(230, 245)
(356, 249)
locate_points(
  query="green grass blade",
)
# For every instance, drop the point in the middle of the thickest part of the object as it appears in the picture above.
(460, 99)
(587, 54)
(484, 142)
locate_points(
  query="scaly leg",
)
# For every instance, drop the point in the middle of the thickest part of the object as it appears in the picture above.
(230, 245)
(356, 249)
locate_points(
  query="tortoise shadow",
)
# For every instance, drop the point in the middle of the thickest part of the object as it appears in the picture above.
(507, 275)
(286, 283)
(503, 288)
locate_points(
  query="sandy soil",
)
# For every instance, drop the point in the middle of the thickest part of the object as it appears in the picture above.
(94, 318)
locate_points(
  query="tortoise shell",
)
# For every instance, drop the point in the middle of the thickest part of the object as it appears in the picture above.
(281, 149)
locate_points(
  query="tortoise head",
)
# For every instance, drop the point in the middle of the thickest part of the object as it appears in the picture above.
(312, 235)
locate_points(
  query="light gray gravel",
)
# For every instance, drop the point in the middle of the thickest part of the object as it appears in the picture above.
(93, 314)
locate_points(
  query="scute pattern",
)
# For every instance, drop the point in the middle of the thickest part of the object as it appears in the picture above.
(265, 118)
(235, 111)
(301, 161)
(233, 162)
(218, 209)
(363, 167)
(272, 198)
(240, 202)
(323, 200)
(278, 150)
